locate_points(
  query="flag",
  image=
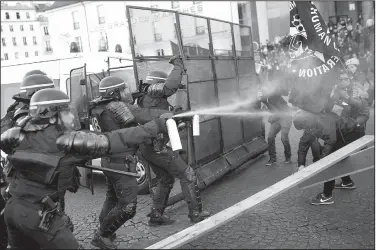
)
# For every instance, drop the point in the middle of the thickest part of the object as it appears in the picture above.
(313, 51)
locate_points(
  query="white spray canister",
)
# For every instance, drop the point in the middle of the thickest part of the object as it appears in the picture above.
(196, 125)
(173, 133)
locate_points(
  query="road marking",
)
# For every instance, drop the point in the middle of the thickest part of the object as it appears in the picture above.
(189, 234)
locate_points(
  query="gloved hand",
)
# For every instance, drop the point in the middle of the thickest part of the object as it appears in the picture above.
(11, 139)
(167, 116)
(83, 143)
(176, 61)
(161, 123)
(12, 107)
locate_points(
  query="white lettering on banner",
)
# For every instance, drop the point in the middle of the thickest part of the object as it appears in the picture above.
(319, 70)
(292, 5)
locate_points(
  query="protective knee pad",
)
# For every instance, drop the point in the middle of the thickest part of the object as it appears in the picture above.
(129, 211)
(190, 174)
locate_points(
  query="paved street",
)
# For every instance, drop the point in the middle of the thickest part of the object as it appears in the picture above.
(287, 221)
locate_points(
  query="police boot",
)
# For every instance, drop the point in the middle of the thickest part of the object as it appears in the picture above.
(158, 219)
(101, 241)
(193, 199)
(197, 216)
(161, 195)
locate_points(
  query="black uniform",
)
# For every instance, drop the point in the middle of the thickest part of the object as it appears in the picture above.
(167, 164)
(43, 172)
(121, 196)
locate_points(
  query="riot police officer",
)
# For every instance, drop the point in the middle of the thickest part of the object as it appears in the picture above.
(111, 111)
(27, 88)
(166, 164)
(43, 147)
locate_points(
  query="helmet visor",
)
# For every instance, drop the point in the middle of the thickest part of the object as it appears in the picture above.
(126, 95)
(69, 121)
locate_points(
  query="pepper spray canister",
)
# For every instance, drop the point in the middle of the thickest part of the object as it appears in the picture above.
(173, 134)
(196, 125)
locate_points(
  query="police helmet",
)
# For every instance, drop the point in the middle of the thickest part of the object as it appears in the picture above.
(111, 86)
(33, 83)
(47, 102)
(34, 72)
(156, 77)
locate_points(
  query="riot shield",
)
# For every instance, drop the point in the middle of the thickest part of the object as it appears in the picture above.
(219, 60)
(80, 94)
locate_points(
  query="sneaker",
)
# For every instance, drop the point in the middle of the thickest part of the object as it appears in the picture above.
(342, 185)
(288, 160)
(271, 162)
(321, 199)
(300, 167)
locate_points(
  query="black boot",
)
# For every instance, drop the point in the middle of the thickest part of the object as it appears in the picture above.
(158, 219)
(102, 242)
(196, 216)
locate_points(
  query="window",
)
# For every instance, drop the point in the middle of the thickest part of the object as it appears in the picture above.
(18, 15)
(11, 28)
(34, 40)
(154, 6)
(3, 42)
(48, 46)
(26, 54)
(16, 55)
(36, 53)
(7, 15)
(21, 28)
(78, 41)
(14, 41)
(76, 24)
(160, 52)
(158, 37)
(31, 27)
(6, 56)
(45, 28)
(27, 15)
(200, 30)
(24, 40)
(175, 4)
(100, 13)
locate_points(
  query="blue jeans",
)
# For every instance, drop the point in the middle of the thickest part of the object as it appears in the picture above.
(283, 125)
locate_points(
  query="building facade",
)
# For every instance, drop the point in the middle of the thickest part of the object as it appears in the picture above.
(24, 34)
(102, 26)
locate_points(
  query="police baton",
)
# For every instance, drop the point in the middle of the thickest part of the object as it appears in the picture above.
(86, 165)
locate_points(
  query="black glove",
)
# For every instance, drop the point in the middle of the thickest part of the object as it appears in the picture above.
(12, 107)
(176, 61)
(161, 123)
(11, 139)
(84, 143)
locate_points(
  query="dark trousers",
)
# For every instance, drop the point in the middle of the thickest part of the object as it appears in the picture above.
(276, 127)
(168, 166)
(121, 191)
(341, 142)
(308, 141)
(22, 221)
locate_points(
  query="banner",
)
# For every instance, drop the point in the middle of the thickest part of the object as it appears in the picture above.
(313, 52)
